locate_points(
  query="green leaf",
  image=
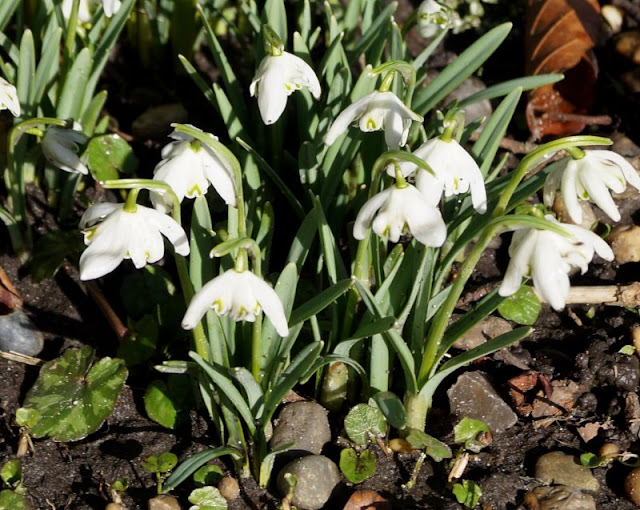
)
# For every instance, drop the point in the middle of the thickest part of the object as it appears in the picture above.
(591, 460)
(10, 500)
(108, 156)
(152, 282)
(467, 493)
(166, 462)
(468, 430)
(208, 475)
(141, 342)
(11, 473)
(73, 395)
(357, 468)
(165, 403)
(433, 447)
(523, 307)
(26, 73)
(186, 468)
(26, 417)
(364, 421)
(276, 16)
(207, 498)
(392, 408)
(51, 250)
(318, 303)
(73, 89)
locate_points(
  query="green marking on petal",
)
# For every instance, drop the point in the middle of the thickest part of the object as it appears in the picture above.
(195, 190)
(371, 124)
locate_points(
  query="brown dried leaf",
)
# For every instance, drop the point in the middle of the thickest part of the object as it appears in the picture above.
(559, 38)
(367, 499)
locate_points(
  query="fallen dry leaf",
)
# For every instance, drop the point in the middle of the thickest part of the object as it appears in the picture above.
(367, 499)
(559, 38)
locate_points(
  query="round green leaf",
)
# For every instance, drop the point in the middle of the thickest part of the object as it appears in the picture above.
(392, 408)
(208, 498)
(73, 396)
(108, 155)
(11, 473)
(9, 500)
(523, 307)
(433, 447)
(364, 421)
(357, 468)
(208, 475)
(159, 405)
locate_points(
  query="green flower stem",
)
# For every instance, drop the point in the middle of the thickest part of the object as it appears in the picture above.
(576, 153)
(272, 40)
(387, 82)
(131, 203)
(70, 37)
(408, 74)
(15, 182)
(256, 349)
(441, 319)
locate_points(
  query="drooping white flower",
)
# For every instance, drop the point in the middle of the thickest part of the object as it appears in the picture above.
(242, 295)
(110, 7)
(276, 79)
(549, 257)
(432, 18)
(189, 167)
(398, 210)
(373, 112)
(455, 172)
(84, 10)
(591, 178)
(61, 146)
(9, 98)
(114, 234)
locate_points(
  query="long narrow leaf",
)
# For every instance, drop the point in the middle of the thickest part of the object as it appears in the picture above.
(193, 463)
(318, 303)
(503, 88)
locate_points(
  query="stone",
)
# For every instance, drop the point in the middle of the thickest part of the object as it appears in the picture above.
(317, 477)
(486, 329)
(473, 396)
(229, 488)
(632, 486)
(305, 424)
(625, 243)
(562, 469)
(163, 502)
(561, 497)
(19, 334)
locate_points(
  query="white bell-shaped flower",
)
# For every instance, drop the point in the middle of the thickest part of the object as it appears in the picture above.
(276, 79)
(240, 294)
(373, 112)
(84, 10)
(110, 7)
(61, 146)
(401, 210)
(549, 258)
(114, 234)
(590, 178)
(9, 98)
(455, 172)
(432, 18)
(189, 167)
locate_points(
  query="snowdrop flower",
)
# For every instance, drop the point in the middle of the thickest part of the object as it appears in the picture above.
(9, 98)
(61, 146)
(277, 78)
(110, 7)
(590, 178)
(455, 172)
(399, 210)
(242, 295)
(113, 234)
(432, 17)
(84, 11)
(373, 112)
(189, 166)
(549, 257)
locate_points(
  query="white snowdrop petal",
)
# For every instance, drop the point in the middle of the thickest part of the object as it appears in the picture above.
(271, 304)
(367, 212)
(97, 212)
(568, 186)
(203, 300)
(169, 228)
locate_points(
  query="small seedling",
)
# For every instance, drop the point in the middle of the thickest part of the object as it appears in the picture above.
(431, 447)
(13, 496)
(364, 423)
(357, 468)
(473, 435)
(116, 488)
(292, 481)
(26, 419)
(161, 465)
(467, 493)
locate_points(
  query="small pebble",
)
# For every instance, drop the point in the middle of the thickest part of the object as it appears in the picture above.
(625, 243)
(229, 488)
(628, 45)
(609, 450)
(473, 396)
(163, 502)
(305, 424)
(400, 445)
(561, 497)
(19, 334)
(632, 486)
(560, 468)
(614, 16)
(114, 506)
(588, 216)
(486, 329)
(317, 478)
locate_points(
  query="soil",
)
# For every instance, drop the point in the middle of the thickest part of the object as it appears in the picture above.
(569, 346)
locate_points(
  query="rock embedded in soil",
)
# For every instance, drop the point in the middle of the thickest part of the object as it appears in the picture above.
(305, 424)
(562, 469)
(625, 243)
(473, 396)
(317, 477)
(163, 502)
(562, 497)
(19, 334)
(229, 488)
(632, 486)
